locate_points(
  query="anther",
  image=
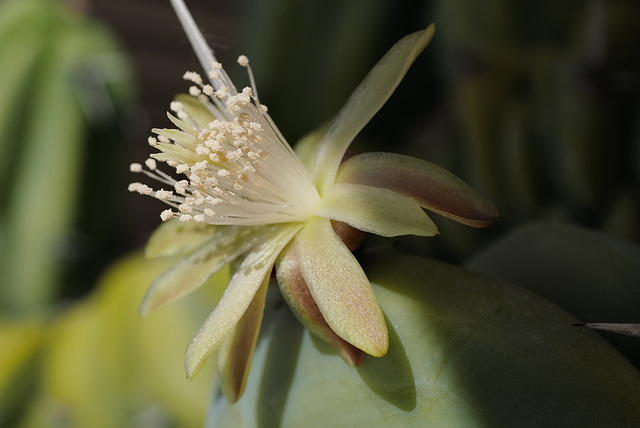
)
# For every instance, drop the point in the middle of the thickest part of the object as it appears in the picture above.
(167, 215)
(164, 194)
(243, 60)
(151, 164)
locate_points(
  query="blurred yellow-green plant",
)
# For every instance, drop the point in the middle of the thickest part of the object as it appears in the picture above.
(96, 364)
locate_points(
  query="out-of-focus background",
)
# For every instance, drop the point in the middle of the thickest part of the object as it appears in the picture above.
(535, 104)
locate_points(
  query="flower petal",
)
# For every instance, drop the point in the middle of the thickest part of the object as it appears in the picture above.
(194, 108)
(340, 288)
(364, 103)
(431, 186)
(375, 210)
(236, 352)
(296, 293)
(247, 278)
(173, 238)
(306, 148)
(226, 244)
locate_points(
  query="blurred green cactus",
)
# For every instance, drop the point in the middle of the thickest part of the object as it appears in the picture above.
(465, 350)
(547, 107)
(47, 55)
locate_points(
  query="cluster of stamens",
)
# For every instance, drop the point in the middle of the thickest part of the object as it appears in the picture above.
(238, 167)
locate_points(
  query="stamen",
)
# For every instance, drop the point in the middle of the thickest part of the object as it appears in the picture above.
(239, 162)
(167, 215)
(150, 163)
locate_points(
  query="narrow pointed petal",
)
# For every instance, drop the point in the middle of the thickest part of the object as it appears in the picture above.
(431, 186)
(375, 210)
(364, 103)
(296, 293)
(185, 140)
(236, 352)
(187, 127)
(225, 245)
(306, 148)
(340, 288)
(247, 278)
(194, 108)
(174, 238)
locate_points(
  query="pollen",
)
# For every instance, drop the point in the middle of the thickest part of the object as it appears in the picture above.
(185, 208)
(143, 189)
(151, 164)
(182, 168)
(192, 76)
(167, 215)
(164, 194)
(243, 60)
(176, 106)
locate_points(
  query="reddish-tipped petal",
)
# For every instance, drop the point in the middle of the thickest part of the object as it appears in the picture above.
(236, 352)
(296, 293)
(349, 235)
(431, 186)
(340, 288)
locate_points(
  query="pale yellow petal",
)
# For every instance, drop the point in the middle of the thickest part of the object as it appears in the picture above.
(186, 140)
(249, 274)
(173, 238)
(307, 147)
(375, 210)
(236, 352)
(196, 110)
(364, 103)
(340, 288)
(190, 273)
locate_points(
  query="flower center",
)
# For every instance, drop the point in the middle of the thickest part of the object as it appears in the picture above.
(239, 169)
